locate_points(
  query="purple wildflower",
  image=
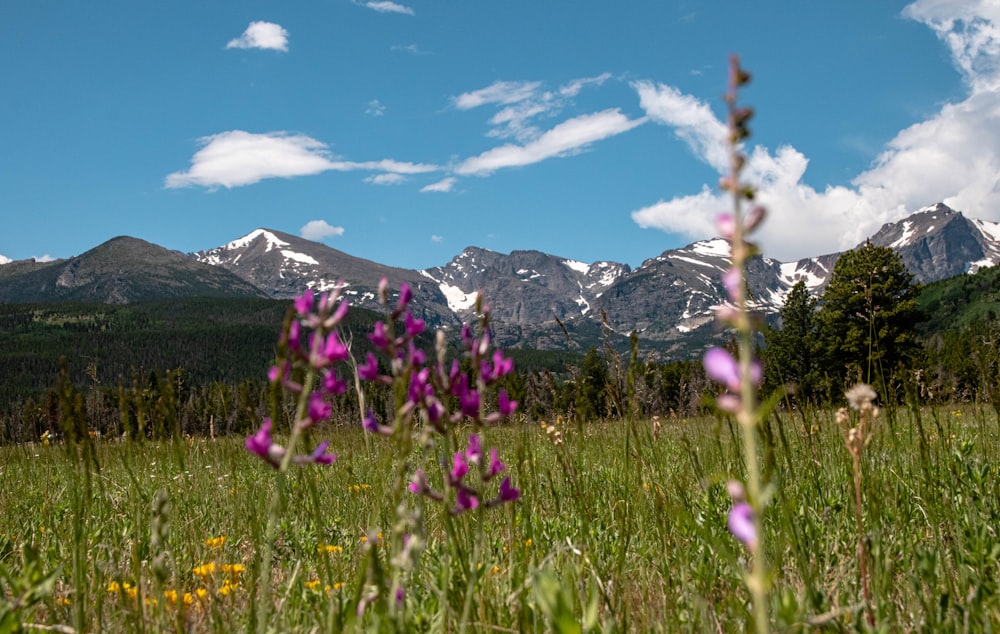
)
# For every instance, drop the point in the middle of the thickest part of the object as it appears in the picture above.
(320, 456)
(332, 384)
(368, 371)
(507, 492)
(721, 366)
(465, 501)
(304, 303)
(319, 409)
(379, 337)
(459, 468)
(469, 402)
(506, 406)
(474, 452)
(263, 445)
(413, 326)
(495, 465)
(741, 524)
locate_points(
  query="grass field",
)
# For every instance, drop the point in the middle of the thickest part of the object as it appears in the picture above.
(615, 530)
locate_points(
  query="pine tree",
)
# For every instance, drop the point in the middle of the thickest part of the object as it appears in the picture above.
(867, 318)
(791, 352)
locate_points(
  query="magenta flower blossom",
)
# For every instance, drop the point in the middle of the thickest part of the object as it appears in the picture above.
(368, 371)
(413, 326)
(495, 465)
(726, 226)
(369, 422)
(731, 281)
(469, 403)
(507, 492)
(320, 456)
(741, 524)
(304, 303)
(459, 468)
(419, 483)
(474, 452)
(332, 384)
(465, 501)
(501, 366)
(379, 337)
(506, 406)
(722, 367)
(319, 409)
(260, 443)
(405, 296)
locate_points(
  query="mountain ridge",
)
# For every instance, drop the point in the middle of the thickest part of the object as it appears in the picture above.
(537, 299)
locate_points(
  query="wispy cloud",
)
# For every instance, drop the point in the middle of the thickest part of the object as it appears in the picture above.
(412, 49)
(389, 7)
(436, 238)
(386, 179)
(266, 35)
(319, 229)
(5, 260)
(568, 137)
(952, 157)
(374, 108)
(443, 185)
(521, 103)
(502, 92)
(236, 158)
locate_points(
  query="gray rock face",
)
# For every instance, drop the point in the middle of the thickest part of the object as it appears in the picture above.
(537, 299)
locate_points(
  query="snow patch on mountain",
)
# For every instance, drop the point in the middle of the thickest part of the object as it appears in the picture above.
(717, 247)
(458, 300)
(297, 257)
(904, 239)
(273, 241)
(579, 267)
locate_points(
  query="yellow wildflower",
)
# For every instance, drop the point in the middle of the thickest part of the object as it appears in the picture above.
(528, 543)
(338, 586)
(188, 598)
(329, 549)
(205, 570)
(312, 584)
(228, 587)
(63, 601)
(201, 593)
(170, 596)
(215, 542)
(233, 569)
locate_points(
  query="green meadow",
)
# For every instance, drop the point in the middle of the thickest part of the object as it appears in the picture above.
(621, 526)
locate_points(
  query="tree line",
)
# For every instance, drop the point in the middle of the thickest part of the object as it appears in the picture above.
(120, 365)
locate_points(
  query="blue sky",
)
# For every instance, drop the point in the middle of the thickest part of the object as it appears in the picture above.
(405, 131)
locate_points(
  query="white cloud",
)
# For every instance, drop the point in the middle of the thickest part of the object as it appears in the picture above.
(502, 92)
(443, 185)
(45, 258)
(5, 260)
(386, 179)
(436, 238)
(319, 229)
(375, 108)
(266, 35)
(412, 49)
(389, 7)
(952, 157)
(573, 88)
(568, 137)
(236, 158)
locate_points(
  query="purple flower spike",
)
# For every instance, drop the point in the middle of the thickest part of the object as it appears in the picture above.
(501, 366)
(414, 326)
(370, 423)
(293, 335)
(726, 225)
(495, 465)
(465, 501)
(335, 349)
(320, 456)
(368, 371)
(721, 366)
(332, 384)
(741, 524)
(459, 468)
(419, 483)
(474, 452)
(469, 400)
(507, 492)
(319, 409)
(304, 303)
(507, 406)
(261, 442)
(379, 337)
(405, 296)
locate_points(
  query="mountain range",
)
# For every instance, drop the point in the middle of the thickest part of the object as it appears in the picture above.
(537, 300)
